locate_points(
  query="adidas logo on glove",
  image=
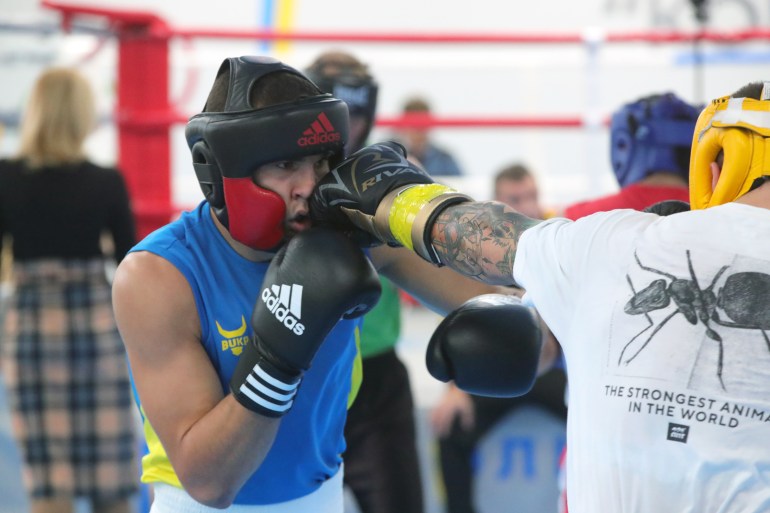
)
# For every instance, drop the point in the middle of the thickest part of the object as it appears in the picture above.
(285, 303)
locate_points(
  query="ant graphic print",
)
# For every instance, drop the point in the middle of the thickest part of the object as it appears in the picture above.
(723, 302)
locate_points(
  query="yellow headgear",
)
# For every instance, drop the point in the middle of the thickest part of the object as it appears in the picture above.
(740, 127)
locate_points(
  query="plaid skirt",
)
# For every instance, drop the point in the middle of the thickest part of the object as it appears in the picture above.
(67, 379)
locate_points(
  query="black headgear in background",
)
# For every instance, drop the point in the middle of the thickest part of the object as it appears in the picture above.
(353, 85)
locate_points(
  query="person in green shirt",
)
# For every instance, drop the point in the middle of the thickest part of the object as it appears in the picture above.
(381, 465)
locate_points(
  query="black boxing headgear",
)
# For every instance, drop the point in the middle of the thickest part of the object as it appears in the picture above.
(227, 148)
(352, 85)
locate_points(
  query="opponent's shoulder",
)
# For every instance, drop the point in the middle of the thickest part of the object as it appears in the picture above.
(610, 230)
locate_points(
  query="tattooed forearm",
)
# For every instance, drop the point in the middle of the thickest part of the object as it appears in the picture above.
(480, 239)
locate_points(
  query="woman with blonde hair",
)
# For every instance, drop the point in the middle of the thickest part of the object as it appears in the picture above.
(62, 358)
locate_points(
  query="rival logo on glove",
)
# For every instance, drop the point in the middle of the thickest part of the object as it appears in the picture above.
(377, 165)
(285, 303)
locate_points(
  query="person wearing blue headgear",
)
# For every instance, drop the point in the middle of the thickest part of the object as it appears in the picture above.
(650, 154)
(241, 319)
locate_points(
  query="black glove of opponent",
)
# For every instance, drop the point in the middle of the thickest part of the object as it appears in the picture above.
(489, 346)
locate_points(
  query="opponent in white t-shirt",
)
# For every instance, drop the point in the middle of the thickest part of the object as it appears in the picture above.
(667, 355)
(664, 321)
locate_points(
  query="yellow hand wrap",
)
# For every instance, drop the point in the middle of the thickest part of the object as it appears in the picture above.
(739, 127)
(409, 212)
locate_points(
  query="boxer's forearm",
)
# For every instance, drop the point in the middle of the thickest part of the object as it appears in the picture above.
(479, 239)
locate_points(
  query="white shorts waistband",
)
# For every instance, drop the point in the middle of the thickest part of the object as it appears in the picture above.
(329, 498)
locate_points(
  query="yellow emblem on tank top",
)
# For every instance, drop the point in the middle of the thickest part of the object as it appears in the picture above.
(234, 340)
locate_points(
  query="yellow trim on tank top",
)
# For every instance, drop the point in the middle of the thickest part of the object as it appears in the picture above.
(357, 375)
(156, 466)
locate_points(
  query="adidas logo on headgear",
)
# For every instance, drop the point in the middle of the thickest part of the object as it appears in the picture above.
(320, 131)
(285, 303)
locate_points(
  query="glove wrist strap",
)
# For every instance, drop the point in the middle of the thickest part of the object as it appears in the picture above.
(410, 212)
(261, 386)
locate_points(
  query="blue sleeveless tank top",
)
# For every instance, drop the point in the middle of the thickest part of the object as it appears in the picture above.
(307, 450)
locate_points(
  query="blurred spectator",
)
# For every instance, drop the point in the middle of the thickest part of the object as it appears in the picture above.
(436, 161)
(382, 469)
(650, 154)
(62, 358)
(516, 186)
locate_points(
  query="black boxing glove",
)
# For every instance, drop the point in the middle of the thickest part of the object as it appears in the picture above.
(489, 346)
(318, 277)
(378, 196)
(668, 207)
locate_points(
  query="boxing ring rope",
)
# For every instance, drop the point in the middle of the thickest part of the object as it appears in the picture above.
(144, 114)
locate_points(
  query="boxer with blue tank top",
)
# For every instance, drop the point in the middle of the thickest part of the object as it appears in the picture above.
(240, 318)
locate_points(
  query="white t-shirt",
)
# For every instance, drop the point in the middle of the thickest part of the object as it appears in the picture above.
(665, 327)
